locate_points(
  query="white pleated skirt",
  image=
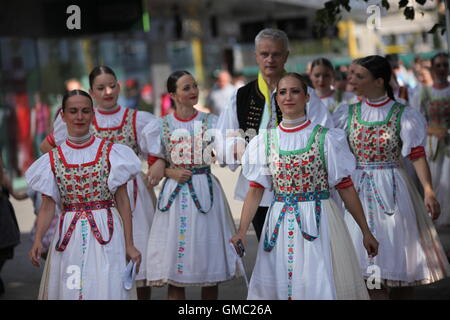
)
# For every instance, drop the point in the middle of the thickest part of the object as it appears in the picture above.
(86, 270)
(323, 269)
(410, 252)
(190, 248)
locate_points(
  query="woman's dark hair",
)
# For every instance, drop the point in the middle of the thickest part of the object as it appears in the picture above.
(173, 78)
(298, 76)
(98, 71)
(322, 62)
(72, 93)
(379, 67)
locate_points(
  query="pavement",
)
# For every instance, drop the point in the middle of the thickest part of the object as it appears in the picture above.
(22, 279)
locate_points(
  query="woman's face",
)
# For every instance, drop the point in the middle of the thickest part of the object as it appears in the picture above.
(440, 68)
(321, 77)
(186, 93)
(105, 91)
(78, 114)
(363, 82)
(291, 97)
(424, 77)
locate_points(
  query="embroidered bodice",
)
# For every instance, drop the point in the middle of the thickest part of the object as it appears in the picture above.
(301, 170)
(377, 141)
(124, 134)
(83, 183)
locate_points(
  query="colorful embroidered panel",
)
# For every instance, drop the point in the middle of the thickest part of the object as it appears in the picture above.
(301, 170)
(83, 188)
(85, 182)
(185, 149)
(375, 141)
(123, 134)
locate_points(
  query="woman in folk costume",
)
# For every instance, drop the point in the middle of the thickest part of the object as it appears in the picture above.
(381, 131)
(188, 243)
(435, 104)
(118, 125)
(307, 252)
(86, 177)
(322, 77)
(253, 108)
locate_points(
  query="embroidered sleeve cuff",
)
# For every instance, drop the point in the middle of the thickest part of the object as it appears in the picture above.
(254, 184)
(151, 160)
(417, 153)
(345, 183)
(51, 140)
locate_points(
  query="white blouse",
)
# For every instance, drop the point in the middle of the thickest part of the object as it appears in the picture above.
(125, 165)
(412, 124)
(340, 161)
(150, 138)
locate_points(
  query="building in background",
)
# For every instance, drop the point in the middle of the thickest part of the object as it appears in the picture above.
(146, 40)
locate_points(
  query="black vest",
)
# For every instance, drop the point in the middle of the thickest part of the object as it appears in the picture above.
(250, 106)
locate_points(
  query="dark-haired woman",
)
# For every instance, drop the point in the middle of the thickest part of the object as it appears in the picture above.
(380, 131)
(188, 243)
(322, 78)
(86, 177)
(307, 252)
(119, 125)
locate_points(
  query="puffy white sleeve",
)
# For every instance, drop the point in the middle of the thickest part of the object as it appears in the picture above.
(340, 160)
(125, 165)
(255, 164)
(415, 98)
(150, 139)
(59, 130)
(229, 134)
(317, 112)
(142, 119)
(41, 178)
(413, 130)
(340, 116)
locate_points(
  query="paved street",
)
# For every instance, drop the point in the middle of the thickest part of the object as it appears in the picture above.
(22, 279)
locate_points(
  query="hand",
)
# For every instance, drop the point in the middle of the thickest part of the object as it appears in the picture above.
(156, 172)
(35, 253)
(180, 175)
(134, 255)
(432, 204)
(371, 244)
(238, 150)
(236, 238)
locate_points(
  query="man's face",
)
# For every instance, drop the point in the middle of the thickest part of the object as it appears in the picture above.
(271, 57)
(440, 68)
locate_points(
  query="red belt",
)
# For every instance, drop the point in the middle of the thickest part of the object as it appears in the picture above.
(86, 208)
